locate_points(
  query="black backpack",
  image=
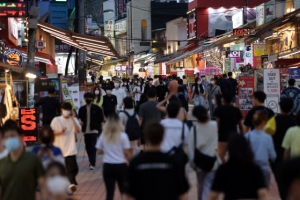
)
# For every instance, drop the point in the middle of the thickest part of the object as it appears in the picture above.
(132, 127)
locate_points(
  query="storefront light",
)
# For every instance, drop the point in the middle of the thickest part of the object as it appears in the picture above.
(82, 38)
(289, 54)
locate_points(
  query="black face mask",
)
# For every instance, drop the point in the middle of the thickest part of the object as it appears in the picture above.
(88, 101)
(46, 140)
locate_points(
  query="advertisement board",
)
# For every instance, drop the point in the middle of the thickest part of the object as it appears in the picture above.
(272, 88)
(258, 51)
(238, 19)
(192, 25)
(245, 93)
(28, 124)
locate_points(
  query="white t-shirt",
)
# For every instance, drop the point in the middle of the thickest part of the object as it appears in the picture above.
(124, 117)
(114, 152)
(137, 96)
(66, 141)
(173, 134)
(120, 94)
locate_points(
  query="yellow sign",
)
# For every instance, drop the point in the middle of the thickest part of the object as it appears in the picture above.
(13, 57)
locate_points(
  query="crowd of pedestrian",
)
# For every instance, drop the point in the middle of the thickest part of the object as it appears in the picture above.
(141, 128)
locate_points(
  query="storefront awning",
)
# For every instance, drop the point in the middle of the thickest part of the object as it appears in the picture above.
(163, 59)
(94, 60)
(18, 69)
(191, 44)
(94, 44)
(112, 62)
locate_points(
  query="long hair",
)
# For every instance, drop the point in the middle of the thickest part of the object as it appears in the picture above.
(197, 86)
(112, 128)
(98, 96)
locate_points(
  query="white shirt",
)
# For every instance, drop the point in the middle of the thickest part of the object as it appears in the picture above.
(114, 152)
(66, 141)
(120, 94)
(173, 134)
(137, 96)
(124, 117)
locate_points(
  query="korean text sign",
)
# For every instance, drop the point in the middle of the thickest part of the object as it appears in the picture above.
(28, 124)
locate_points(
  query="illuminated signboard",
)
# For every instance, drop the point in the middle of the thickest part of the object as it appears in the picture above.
(13, 9)
(192, 25)
(28, 124)
(13, 57)
(241, 31)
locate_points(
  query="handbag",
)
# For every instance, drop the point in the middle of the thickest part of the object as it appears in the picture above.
(202, 161)
(270, 127)
(178, 153)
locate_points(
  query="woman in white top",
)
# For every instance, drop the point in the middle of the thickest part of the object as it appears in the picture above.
(199, 94)
(206, 142)
(114, 145)
(138, 91)
(129, 110)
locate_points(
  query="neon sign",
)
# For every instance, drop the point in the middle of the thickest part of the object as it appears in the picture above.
(28, 124)
(13, 9)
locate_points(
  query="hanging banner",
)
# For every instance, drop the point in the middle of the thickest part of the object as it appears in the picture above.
(28, 124)
(66, 95)
(272, 88)
(258, 51)
(74, 91)
(246, 88)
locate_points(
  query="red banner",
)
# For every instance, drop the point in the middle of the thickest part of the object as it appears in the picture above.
(28, 124)
(246, 89)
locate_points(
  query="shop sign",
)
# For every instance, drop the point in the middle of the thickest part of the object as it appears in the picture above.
(241, 31)
(13, 57)
(248, 56)
(211, 71)
(246, 89)
(122, 68)
(13, 28)
(61, 47)
(273, 57)
(295, 73)
(13, 9)
(28, 124)
(121, 7)
(40, 44)
(235, 54)
(265, 12)
(272, 88)
(264, 61)
(238, 19)
(120, 27)
(258, 51)
(163, 68)
(192, 25)
(109, 29)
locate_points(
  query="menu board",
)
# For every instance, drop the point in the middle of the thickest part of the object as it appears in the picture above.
(272, 88)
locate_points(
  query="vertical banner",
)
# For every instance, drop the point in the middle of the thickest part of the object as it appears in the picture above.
(74, 91)
(246, 89)
(258, 51)
(66, 95)
(28, 124)
(272, 88)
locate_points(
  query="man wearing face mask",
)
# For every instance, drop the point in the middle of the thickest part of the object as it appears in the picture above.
(149, 86)
(65, 127)
(20, 170)
(109, 102)
(205, 83)
(91, 119)
(162, 91)
(120, 94)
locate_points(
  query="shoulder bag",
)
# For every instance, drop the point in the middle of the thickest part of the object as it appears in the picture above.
(202, 161)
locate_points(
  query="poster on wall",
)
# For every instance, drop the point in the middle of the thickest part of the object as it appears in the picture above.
(295, 74)
(284, 77)
(259, 80)
(246, 89)
(258, 51)
(192, 28)
(272, 88)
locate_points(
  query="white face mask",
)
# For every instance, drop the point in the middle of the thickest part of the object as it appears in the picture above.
(151, 82)
(97, 92)
(117, 84)
(57, 185)
(108, 91)
(139, 83)
(213, 101)
(66, 113)
(212, 82)
(199, 82)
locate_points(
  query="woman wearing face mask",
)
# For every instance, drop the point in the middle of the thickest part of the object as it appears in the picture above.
(114, 144)
(138, 91)
(57, 183)
(126, 87)
(212, 90)
(98, 97)
(199, 93)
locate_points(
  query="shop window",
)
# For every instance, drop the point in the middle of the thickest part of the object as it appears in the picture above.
(144, 29)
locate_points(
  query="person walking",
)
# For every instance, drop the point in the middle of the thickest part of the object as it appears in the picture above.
(212, 90)
(126, 87)
(162, 91)
(239, 178)
(234, 87)
(109, 102)
(114, 145)
(293, 93)
(98, 94)
(120, 94)
(173, 85)
(138, 90)
(91, 119)
(225, 85)
(65, 128)
(50, 106)
(204, 137)
(262, 145)
(259, 98)
(20, 171)
(199, 94)
(228, 118)
(153, 174)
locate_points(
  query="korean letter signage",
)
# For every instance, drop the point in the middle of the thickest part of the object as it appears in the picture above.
(109, 27)
(192, 25)
(120, 27)
(238, 19)
(28, 124)
(272, 88)
(13, 57)
(235, 54)
(246, 89)
(13, 9)
(241, 31)
(258, 51)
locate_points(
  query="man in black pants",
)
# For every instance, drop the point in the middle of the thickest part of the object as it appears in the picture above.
(91, 118)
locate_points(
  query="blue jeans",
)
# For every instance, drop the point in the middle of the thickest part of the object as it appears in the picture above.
(204, 180)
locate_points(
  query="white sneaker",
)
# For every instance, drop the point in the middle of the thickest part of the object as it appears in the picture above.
(92, 167)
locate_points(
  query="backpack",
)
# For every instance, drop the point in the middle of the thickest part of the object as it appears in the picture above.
(132, 127)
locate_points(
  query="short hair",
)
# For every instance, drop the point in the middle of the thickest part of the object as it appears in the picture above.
(260, 96)
(88, 95)
(224, 75)
(184, 77)
(259, 117)
(292, 82)
(51, 90)
(227, 97)
(180, 81)
(200, 113)
(66, 106)
(229, 73)
(298, 118)
(151, 93)
(11, 125)
(50, 132)
(174, 76)
(109, 87)
(128, 102)
(202, 76)
(154, 133)
(61, 168)
(286, 105)
(239, 150)
(155, 76)
(173, 109)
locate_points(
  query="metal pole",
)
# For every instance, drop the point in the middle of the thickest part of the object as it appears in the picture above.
(31, 41)
(81, 30)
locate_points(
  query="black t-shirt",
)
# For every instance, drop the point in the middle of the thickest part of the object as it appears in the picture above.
(225, 86)
(109, 103)
(50, 108)
(249, 117)
(154, 175)
(229, 117)
(161, 91)
(238, 182)
(234, 85)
